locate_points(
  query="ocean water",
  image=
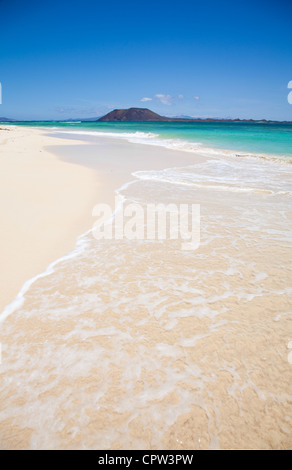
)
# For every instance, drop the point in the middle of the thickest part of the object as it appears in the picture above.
(147, 346)
(242, 138)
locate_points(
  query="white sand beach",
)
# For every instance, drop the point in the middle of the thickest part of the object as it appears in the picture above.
(138, 344)
(45, 205)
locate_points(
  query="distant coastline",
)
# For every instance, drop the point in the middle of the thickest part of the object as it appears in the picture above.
(145, 115)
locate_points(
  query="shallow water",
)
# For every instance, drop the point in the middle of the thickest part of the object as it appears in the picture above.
(262, 139)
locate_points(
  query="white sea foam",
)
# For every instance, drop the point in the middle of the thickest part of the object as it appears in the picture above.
(228, 175)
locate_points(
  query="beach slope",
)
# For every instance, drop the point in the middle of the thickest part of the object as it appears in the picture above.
(45, 204)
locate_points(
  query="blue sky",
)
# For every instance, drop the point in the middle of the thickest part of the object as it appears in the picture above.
(67, 59)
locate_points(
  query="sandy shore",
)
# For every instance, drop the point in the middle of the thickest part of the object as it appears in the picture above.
(45, 205)
(47, 202)
(134, 345)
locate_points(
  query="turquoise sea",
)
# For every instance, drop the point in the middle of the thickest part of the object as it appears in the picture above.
(255, 138)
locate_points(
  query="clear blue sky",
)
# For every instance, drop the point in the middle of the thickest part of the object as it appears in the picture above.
(67, 59)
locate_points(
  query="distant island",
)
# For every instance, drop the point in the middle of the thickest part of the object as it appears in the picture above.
(145, 114)
(133, 114)
(4, 119)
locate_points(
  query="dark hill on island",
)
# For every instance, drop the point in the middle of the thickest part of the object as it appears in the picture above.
(133, 114)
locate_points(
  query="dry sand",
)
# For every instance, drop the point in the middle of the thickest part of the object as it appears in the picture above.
(45, 205)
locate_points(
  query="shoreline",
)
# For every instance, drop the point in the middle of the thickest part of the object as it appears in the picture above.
(98, 184)
(57, 147)
(178, 143)
(42, 211)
